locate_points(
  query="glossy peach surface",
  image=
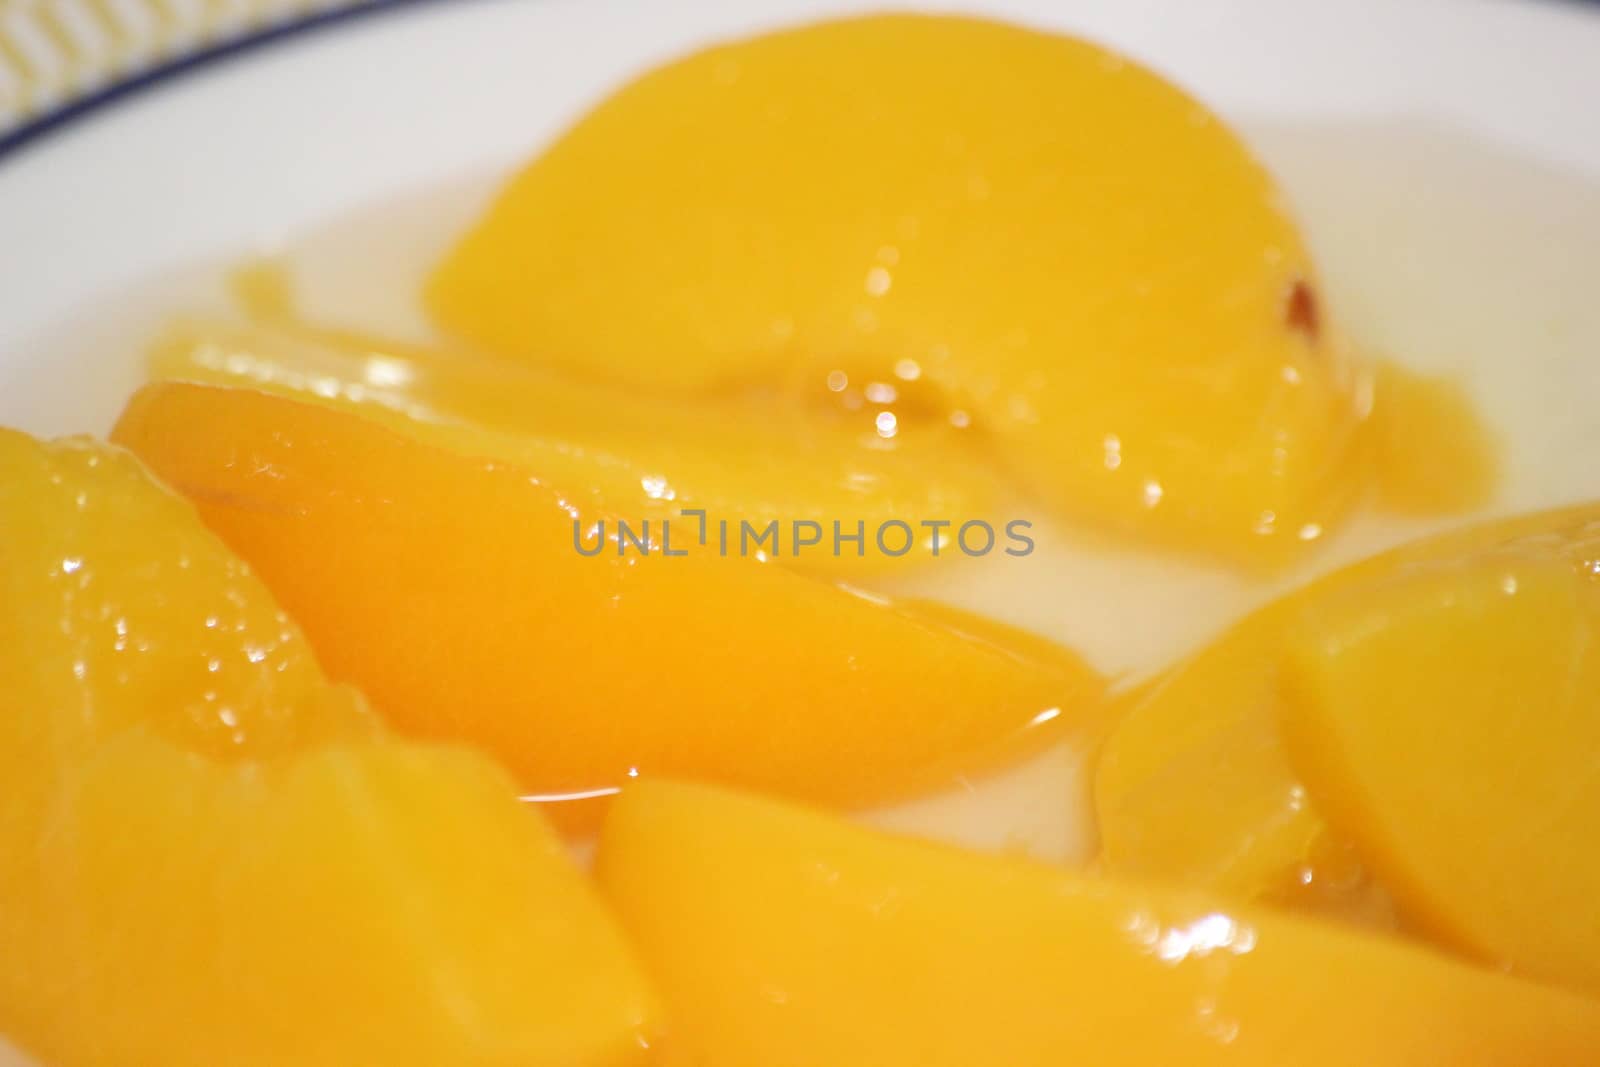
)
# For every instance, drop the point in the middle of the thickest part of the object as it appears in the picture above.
(1193, 788)
(209, 855)
(781, 936)
(450, 590)
(984, 221)
(1447, 719)
(1194, 785)
(755, 458)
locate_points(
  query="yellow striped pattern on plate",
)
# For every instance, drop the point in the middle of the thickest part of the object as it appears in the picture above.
(53, 52)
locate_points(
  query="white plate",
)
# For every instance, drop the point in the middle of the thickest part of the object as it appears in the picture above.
(248, 152)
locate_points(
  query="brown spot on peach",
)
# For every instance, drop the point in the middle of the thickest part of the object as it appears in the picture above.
(1300, 310)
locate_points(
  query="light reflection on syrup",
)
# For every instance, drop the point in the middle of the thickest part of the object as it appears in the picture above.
(1175, 944)
(567, 798)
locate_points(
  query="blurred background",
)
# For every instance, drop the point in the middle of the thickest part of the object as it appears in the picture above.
(57, 52)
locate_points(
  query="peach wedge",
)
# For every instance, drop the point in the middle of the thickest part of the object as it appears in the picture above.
(975, 221)
(210, 855)
(1447, 720)
(1194, 786)
(783, 937)
(743, 457)
(450, 590)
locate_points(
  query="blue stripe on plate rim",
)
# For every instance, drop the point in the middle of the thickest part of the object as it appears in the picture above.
(14, 138)
(79, 107)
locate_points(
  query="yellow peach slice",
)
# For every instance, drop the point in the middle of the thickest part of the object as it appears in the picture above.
(383, 903)
(452, 590)
(1447, 720)
(782, 937)
(1435, 455)
(210, 855)
(115, 600)
(971, 220)
(1193, 785)
(741, 458)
